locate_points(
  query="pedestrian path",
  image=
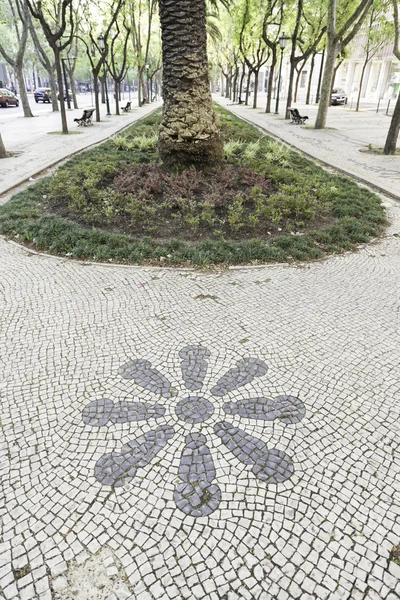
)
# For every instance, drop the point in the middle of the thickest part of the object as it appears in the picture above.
(36, 143)
(169, 434)
(342, 145)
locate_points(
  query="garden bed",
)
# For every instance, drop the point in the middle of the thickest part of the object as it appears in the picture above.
(265, 203)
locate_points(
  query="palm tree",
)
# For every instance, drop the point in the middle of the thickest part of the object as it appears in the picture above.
(189, 132)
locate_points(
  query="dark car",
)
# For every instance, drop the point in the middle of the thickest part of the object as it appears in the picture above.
(7, 98)
(42, 95)
(338, 96)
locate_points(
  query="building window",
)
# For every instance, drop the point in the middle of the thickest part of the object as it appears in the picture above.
(303, 79)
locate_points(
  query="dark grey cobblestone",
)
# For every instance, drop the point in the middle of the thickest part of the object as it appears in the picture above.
(197, 496)
(287, 409)
(194, 409)
(100, 412)
(114, 468)
(194, 366)
(150, 379)
(245, 371)
(271, 466)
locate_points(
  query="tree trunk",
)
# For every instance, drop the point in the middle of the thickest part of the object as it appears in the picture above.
(270, 84)
(22, 91)
(310, 79)
(73, 87)
(241, 81)
(189, 132)
(290, 90)
(61, 92)
(235, 78)
(361, 82)
(325, 99)
(296, 85)
(393, 133)
(103, 90)
(116, 90)
(96, 96)
(226, 86)
(53, 88)
(248, 88)
(256, 75)
(3, 153)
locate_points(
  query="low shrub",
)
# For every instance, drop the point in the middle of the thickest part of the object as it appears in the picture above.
(265, 203)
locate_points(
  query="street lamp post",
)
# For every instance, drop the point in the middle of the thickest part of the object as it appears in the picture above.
(102, 47)
(147, 82)
(282, 43)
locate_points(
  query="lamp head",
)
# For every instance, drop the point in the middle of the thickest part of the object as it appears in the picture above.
(100, 40)
(282, 41)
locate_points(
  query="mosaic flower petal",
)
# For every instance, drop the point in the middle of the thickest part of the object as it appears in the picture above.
(149, 379)
(116, 467)
(245, 371)
(100, 412)
(197, 495)
(194, 366)
(271, 466)
(288, 409)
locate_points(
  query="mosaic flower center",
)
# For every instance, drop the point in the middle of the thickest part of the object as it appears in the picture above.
(194, 409)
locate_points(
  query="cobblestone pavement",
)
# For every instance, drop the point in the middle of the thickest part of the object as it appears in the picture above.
(170, 434)
(33, 148)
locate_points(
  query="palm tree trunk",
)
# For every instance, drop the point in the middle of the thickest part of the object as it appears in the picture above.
(189, 132)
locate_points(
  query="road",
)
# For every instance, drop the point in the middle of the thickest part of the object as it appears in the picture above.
(84, 100)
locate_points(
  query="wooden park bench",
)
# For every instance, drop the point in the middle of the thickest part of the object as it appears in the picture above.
(86, 118)
(296, 117)
(126, 108)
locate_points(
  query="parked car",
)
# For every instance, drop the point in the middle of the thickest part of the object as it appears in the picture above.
(338, 96)
(7, 98)
(42, 95)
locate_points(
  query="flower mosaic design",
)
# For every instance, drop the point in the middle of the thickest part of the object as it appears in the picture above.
(197, 494)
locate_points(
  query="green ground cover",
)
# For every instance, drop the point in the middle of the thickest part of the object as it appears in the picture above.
(266, 203)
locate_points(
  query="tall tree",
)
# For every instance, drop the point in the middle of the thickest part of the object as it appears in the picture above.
(338, 36)
(272, 26)
(142, 13)
(252, 46)
(19, 17)
(189, 132)
(117, 68)
(89, 33)
(46, 63)
(307, 34)
(393, 133)
(57, 24)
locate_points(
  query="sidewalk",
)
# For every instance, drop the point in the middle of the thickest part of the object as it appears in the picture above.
(339, 145)
(37, 149)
